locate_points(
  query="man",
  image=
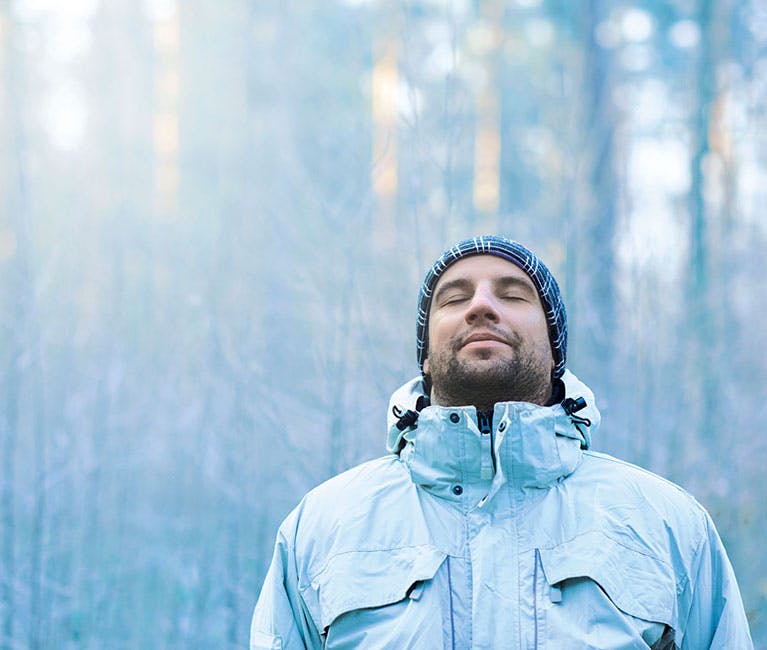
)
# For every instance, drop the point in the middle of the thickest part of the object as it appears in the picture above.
(492, 524)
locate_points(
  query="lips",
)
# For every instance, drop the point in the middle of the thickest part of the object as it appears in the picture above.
(483, 336)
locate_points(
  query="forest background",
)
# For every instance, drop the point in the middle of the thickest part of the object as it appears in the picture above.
(214, 217)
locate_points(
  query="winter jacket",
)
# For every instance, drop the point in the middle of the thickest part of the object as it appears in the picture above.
(504, 535)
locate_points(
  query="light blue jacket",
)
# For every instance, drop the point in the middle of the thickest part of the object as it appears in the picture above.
(516, 538)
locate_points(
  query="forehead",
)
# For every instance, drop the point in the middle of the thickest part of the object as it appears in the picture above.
(477, 268)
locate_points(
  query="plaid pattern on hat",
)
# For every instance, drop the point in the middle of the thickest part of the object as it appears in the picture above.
(548, 290)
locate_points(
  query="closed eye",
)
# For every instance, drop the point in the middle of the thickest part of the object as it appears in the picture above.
(453, 300)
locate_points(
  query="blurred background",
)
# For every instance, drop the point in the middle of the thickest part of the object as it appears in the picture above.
(214, 218)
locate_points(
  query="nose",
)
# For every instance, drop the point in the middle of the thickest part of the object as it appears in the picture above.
(483, 306)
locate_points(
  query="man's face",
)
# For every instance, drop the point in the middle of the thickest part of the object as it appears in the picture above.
(488, 336)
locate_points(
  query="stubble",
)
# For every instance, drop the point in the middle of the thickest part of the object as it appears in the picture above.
(523, 377)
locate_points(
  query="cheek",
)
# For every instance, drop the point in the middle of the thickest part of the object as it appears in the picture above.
(543, 337)
(447, 330)
(535, 318)
(439, 330)
(536, 327)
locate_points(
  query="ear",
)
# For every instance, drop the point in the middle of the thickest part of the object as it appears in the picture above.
(426, 369)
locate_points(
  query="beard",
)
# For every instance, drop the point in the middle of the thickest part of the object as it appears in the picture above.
(482, 381)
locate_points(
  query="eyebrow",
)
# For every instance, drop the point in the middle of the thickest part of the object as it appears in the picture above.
(513, 281)
(458, 283)
(503, 282)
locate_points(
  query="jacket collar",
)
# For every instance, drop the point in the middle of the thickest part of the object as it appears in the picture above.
(530, 446)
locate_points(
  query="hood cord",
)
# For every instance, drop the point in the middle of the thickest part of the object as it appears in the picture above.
(408, 418)
(571, 407)
(405, 419)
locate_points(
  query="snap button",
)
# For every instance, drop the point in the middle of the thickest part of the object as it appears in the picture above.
(454, 417)
(457, 490)
(502, 426)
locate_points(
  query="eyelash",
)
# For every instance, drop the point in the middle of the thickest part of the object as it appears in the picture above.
(459, 299)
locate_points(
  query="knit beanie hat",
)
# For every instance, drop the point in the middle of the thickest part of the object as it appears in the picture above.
(516, 253)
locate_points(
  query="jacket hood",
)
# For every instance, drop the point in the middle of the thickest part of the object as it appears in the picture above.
(405, 398)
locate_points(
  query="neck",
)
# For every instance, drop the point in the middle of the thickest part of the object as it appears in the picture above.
(484, 398)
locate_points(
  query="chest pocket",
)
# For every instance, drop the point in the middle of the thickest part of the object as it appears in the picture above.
(364, 598)
(605, 590)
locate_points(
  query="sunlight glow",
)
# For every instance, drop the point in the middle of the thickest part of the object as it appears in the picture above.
(65, 116)
(66, 37)
(658, 177)
(684, 34)
(661, 164)
(69, 40)
(30, 10)
(487, 155)
(637, 25)
(160, 10)
(385, 87)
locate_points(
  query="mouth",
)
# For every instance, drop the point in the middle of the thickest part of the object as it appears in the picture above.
(483, 338)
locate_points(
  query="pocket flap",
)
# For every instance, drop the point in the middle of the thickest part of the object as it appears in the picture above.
(362, 579)
(638, 584)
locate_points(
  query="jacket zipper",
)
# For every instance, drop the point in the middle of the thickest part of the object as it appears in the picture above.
(450, 590)
(485, 421)
(485, 425)
(535, 599)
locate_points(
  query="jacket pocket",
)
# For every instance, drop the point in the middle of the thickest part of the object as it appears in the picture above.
(609, 587)
(363, 584)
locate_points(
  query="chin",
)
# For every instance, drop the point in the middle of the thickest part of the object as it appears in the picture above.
(485, 357)
(481, 370)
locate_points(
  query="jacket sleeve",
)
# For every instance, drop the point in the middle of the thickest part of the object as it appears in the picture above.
(717, 619)
(281, 620)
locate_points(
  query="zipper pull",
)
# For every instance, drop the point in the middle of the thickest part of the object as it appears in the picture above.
(485, 422)
(485, 425)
